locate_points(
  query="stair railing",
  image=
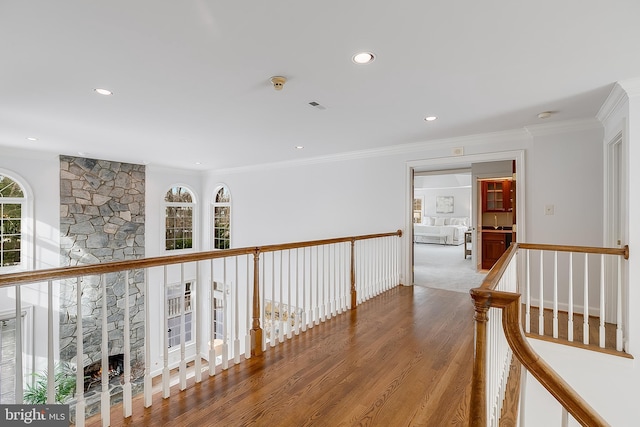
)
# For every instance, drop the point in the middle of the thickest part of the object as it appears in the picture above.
(259, 296)
(499, 335)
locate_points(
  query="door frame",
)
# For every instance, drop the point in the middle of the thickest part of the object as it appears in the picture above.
(458, 162)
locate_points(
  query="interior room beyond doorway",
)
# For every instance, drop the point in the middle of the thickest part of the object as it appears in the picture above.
(442, 215)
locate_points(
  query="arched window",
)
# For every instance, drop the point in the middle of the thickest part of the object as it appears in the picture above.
(12, 222)
(222, 218)
(179, 220)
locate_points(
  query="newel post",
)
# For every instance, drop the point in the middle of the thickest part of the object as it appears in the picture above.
(256, 330)
(478, 404)
(354, 293)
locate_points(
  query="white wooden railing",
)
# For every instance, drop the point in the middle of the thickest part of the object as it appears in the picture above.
(578, 281)
(233, 304)
(499, 334)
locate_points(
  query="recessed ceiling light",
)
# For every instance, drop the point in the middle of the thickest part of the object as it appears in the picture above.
(363, 57)
(544, 115)
(430, 118)
(31, 138)
(103, 91)
(299, 147)
(198, 163)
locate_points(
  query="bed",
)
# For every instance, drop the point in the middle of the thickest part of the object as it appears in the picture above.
(445, 231)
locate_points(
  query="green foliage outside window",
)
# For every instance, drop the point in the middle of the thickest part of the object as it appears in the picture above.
(10, 221)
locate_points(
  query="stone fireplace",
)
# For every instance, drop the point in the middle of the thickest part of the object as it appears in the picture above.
(102, 206)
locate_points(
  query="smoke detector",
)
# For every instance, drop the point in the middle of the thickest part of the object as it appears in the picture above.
(278, 82)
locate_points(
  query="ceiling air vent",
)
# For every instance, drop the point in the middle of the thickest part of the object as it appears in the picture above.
(314, 104)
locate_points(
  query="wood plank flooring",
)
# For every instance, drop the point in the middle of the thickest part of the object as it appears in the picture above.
(578, 328)
(403, 358)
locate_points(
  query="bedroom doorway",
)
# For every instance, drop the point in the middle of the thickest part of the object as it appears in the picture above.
(444, 165)
(442, 226)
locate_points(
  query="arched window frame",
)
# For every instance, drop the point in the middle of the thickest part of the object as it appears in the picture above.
(221, 230)
(175, 206)
(26, 223)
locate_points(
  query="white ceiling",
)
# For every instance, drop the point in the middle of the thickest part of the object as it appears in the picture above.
(191, 78)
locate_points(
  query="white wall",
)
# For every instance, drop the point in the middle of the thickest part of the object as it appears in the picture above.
(611, 389)
(461, 201)
(314, 201)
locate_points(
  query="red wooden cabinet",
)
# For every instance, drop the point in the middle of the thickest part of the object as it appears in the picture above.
(497, 196)
(493, 246)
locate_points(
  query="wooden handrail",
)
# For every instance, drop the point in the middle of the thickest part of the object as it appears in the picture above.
(114, 266)
(256, 331)
(487, 296)
(624, 251)
(545, 374)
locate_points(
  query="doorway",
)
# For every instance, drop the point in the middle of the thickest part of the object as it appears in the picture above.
(442, 215)
(457, 163)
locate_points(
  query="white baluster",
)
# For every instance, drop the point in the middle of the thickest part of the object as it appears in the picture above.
(290, 311)
(281, 311)
(322, 283)
(555, 294)
(541, 293)
(148, 392)
(601, 331)
(236, 341)
(105, 400)
(585, 310)
(19, 388)
(183, 331)
(195, 317)
(297, 321)
(51, 392)
(570, 314)
(226, 318)
(527, 284)
(80, 402)
(316, 315)
(166, 386)
(247, 338)
(126, 387)
(564, 422)
(212, 321)
(619, 307)
(303, 321)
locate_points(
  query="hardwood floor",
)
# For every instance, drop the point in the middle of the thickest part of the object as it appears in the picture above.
(403, 358)
(578, 328)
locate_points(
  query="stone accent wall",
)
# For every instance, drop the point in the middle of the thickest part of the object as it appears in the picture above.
(102, 205)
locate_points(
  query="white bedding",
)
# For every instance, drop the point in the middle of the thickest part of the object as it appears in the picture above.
(446, 234)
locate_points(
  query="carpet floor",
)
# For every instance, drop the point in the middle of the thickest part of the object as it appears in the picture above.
(444, 267)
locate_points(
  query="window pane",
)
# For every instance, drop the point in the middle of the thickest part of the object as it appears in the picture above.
(10, 188)
(223, 196)
(178, 194)
(10, 233)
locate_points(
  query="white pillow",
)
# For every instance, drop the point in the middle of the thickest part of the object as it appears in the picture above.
(426, 220)
(439, 221)
(454, 221)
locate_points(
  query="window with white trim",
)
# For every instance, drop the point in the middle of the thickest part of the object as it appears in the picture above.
(12, 212)
(179, 303)
(222, 219)
(179, 218)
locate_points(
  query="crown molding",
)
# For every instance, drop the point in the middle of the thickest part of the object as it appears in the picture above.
(621, 92)
(616, 98)
(564, 126)
(631, 86)
(413, 147)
